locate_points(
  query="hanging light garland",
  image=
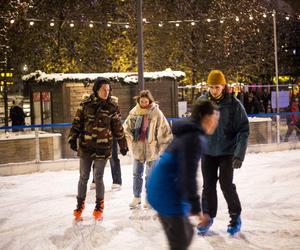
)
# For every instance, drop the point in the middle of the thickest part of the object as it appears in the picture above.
(160, 23)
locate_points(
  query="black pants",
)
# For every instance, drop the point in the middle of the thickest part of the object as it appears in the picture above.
(179, 231)
(115, 166)
(210, 166)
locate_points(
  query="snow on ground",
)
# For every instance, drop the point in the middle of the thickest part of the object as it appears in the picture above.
(36, 211)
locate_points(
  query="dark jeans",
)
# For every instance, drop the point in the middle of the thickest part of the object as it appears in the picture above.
(115, 166)
(210, 166)
(179, 231)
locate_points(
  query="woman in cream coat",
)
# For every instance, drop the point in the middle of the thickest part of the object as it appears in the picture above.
(148, 133)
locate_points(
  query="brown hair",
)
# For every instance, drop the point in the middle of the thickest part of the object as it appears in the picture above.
(146, 94)
(203, 108)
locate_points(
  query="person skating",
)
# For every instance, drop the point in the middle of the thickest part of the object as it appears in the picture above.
(114, 161)
(148, 133)
(225, 152)
(172, 188)
(293, 120)
(95, 123)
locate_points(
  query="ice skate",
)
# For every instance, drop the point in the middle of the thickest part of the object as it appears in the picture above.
(234, 226)
(98, 211)
(202, 229)
(136, 202)
(78, 211)
(115, 187)
(92, 186)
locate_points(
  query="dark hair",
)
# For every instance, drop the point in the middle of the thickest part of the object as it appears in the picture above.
(202, 108)
(146, 94)
(98, 83)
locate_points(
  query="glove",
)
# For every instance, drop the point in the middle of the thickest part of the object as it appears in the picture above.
(73, 145)
(124, 151)
(236, 163)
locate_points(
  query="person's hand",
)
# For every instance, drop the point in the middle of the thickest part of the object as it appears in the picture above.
(236, 163)
(124, 151)
(73, 144)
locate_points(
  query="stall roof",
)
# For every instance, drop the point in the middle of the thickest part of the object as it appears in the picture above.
(129, 78)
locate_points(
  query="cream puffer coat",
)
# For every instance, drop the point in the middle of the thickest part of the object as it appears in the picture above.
(159, 133)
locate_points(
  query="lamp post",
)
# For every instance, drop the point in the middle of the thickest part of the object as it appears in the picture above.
(276, 77)
(140, 44)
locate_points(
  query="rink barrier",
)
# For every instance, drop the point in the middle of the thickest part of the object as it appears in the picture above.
(171, 120)
(37, 162)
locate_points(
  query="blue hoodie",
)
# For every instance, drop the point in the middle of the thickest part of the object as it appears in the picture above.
(172, 188)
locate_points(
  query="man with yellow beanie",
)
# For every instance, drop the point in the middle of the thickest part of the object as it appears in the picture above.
(226, 149)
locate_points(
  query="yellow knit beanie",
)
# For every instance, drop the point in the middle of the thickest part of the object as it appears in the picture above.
(216, 77)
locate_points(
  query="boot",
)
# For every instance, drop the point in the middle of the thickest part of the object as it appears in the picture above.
(92, 186)
(234, 225)
(116, 186)
(205, 224)
(80, 207)
(98, 211)
(135, 202)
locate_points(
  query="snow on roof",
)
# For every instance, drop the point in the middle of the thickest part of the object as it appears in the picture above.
(259, 119)
(39, 76)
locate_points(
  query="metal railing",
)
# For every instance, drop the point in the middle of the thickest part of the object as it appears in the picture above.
(49, 141)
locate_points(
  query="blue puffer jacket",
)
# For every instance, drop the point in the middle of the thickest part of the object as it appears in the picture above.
(231, 135)
(172, 186)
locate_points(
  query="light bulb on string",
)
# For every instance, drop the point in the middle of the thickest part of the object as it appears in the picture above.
(221, 21)
(12, 21)
(108, 24)
(91, 25)
(52, 23)
(72, 25)
(193, 23)
(264, 15)
(127, 26)
(237, 19)
(208, 20)
(160, 25)
(251, 18)
(31, 23)
(287, 18)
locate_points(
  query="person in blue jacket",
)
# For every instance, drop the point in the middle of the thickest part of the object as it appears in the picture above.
(226, 149)
(172, 188)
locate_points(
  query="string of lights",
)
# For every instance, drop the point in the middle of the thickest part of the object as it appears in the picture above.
(160, 23)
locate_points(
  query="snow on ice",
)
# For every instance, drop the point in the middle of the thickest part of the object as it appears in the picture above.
(36, 211)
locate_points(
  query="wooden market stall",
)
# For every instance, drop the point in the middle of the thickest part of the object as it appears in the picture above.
(56, 97)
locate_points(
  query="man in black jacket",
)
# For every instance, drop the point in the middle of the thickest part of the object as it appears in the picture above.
(225, 152)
